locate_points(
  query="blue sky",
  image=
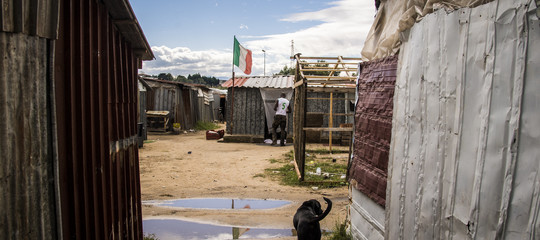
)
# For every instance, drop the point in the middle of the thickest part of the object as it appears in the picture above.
(196, 36)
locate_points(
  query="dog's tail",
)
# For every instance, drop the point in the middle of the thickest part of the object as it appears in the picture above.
(328, 208)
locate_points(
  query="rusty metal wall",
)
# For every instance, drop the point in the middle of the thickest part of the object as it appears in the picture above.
(34, 18)
(96, 95)
(373, 127)
(28, 208)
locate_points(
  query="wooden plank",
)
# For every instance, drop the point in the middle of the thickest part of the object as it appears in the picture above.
(331, 77)
(299, 83)
(332, 89)
(333, 129)
(297, 169)
(331, 121)
(328, 58)
(335, 114)
(317, 69)
(322, 83)
(315, 98)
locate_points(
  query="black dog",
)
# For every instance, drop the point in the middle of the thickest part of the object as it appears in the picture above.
(307, 217)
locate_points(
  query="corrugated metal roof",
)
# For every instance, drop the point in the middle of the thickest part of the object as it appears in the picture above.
(261, 82)
(124, 18)
(40, 18)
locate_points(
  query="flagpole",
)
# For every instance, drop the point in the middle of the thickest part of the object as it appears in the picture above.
(232, 97)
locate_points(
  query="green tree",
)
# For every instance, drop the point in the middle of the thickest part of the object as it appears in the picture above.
(286, 71)
(165, 76)
(180, 78)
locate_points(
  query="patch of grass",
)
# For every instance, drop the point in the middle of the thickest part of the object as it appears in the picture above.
(290, 155)
(273, 160)
(203, 126)
(261, 175)
(340, 232)
(149, 141)
(286, 174)
(335, 171)
(150, 236)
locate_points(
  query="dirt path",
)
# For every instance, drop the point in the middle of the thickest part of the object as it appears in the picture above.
(189, 166)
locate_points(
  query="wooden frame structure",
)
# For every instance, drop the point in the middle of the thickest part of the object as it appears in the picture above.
(339, 78)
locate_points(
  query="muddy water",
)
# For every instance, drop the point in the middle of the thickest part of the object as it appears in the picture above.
(168, 229)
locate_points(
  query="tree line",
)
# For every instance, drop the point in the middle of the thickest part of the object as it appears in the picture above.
(195, 78)
(214, 82)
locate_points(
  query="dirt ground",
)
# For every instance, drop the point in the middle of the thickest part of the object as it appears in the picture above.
(189, 166)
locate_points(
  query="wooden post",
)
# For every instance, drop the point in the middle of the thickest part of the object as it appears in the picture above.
(232, 103)
(331, 121)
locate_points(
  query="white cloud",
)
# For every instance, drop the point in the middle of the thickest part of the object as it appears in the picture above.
(184, 61)
(243, 26)
(342, 32)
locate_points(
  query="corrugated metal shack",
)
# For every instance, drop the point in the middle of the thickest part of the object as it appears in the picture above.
(463, 155)
(187, 103)
(205, 104)
(248, 116)
(220, 99)
(69, 119)
(141, 113)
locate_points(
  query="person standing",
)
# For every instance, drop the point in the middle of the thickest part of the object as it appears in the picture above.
(281, 107)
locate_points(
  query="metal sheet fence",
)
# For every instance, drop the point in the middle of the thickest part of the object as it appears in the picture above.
(464, 159)
(27, 192)
(248, 117)
(96, 95)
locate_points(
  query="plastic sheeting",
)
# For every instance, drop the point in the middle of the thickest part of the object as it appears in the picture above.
(206, 94)
(396, 16)
(464, 158)
(269, 96)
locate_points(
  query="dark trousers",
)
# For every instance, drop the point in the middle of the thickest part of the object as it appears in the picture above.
(279, 121)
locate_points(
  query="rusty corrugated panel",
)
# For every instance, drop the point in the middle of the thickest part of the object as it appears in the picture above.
(238, 82)
(28, 202)
(96, 94)
(35, 18)
(373, 127)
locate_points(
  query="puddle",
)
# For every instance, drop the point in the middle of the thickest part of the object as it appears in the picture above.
(221, 203)
(166, 229)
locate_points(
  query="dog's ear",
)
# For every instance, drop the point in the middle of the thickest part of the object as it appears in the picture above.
(308, 204)
(316, 206)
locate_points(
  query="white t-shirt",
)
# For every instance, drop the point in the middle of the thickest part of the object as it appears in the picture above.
(283, 104)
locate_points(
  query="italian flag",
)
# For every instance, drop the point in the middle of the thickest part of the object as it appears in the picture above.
(242, 57)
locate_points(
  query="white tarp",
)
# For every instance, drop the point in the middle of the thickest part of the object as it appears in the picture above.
(465, 155)
(269, 96)
(207, 95)
(396, 16)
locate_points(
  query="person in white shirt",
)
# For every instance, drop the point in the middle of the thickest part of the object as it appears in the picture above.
(281, 107)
